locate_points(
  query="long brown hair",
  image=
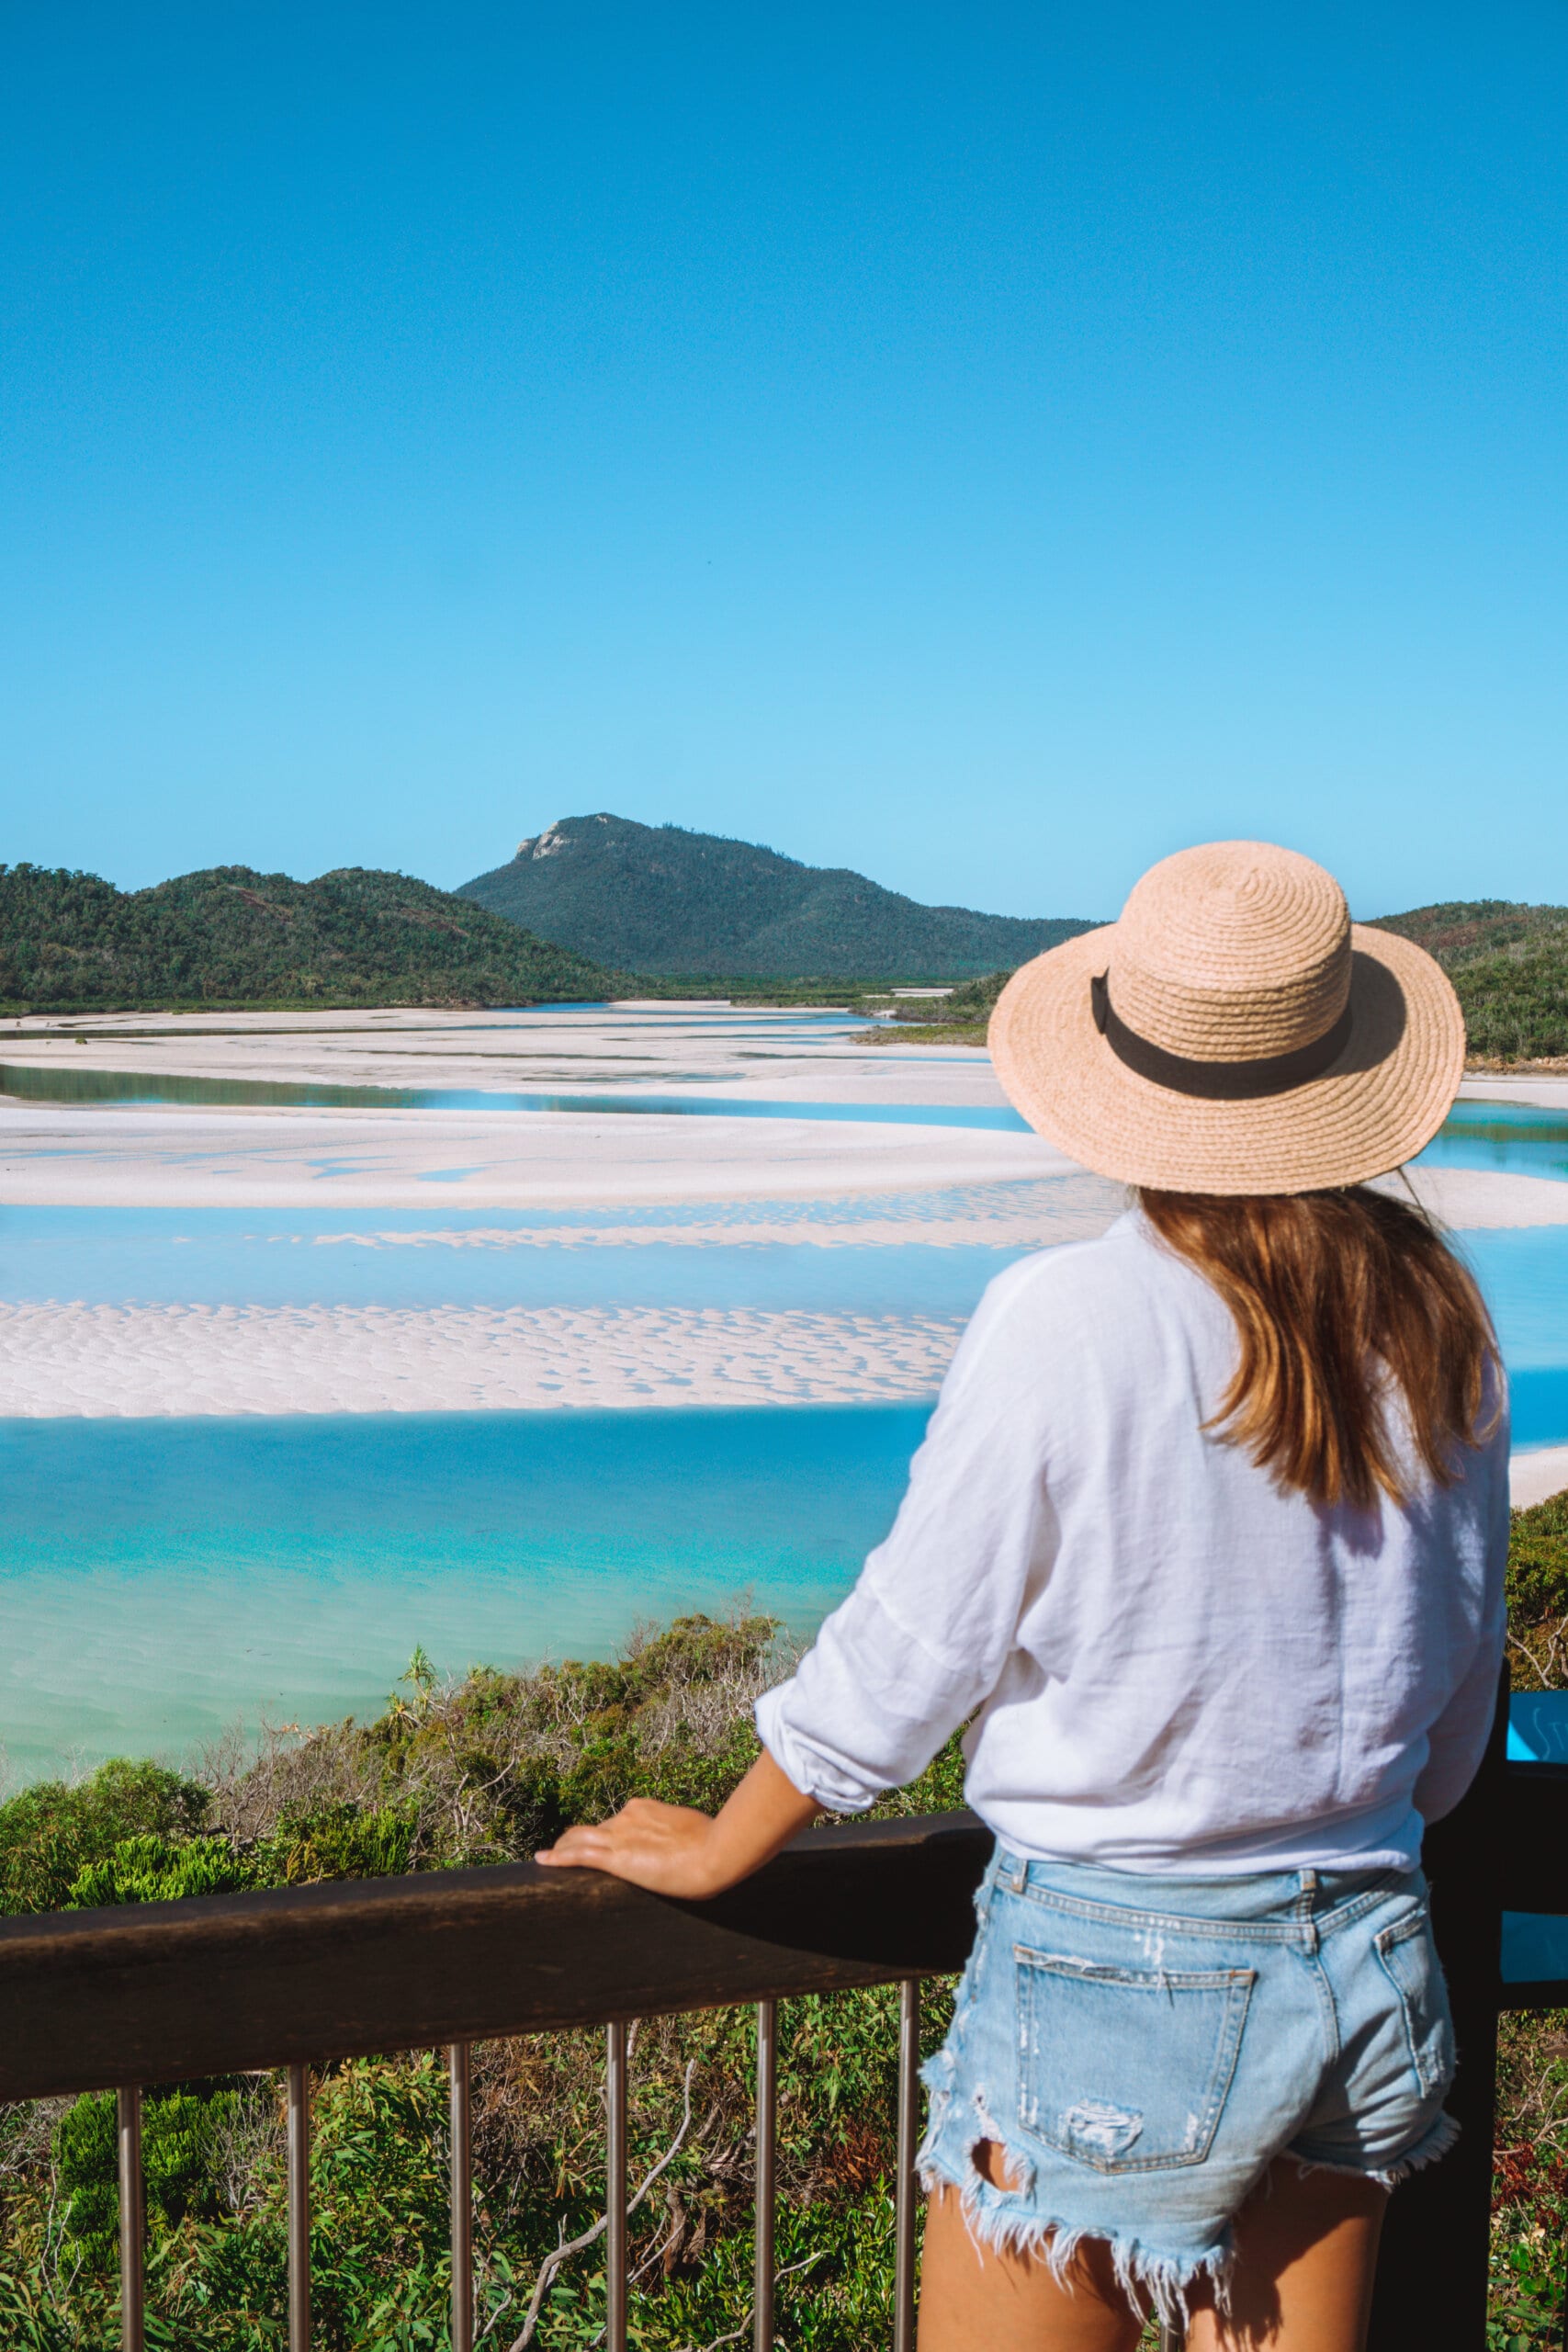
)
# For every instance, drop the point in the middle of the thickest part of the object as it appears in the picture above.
(1335, 1295)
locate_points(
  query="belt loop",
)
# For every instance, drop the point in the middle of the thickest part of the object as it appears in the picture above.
(1012, 1872)
(1306, 1901)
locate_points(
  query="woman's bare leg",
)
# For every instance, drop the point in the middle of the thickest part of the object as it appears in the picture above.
(1306, 2248)
(975, 2300)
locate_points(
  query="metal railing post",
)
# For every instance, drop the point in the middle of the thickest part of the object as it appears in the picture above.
(906, 2190)
(767, 2142)
(462, 2194)
(615, 2190)
(299, 2208)
(133, 2221)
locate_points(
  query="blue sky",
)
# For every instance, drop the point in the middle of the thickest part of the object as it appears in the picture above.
(989, 446)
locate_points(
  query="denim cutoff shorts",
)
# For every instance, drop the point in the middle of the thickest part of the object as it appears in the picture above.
(1141, 2049)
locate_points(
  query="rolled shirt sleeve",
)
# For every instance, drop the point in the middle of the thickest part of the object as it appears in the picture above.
(1166, 1658)
(922, 1639)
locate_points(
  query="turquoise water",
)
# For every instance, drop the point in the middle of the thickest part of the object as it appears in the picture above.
(1523, 1270)
(106, 1088)
(159, 1580)
(1524, 1275)
(162, 1579)
(498, 1258)
(1510, 1136)
(240, 1257)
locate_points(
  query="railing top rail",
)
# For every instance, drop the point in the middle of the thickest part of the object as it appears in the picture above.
(167, 1992)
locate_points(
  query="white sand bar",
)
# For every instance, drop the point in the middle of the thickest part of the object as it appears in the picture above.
(58, 1361)
(1478, 1199)
(1544, 1091)
(69, 1155)
(647, 1048)
(1532, 1478)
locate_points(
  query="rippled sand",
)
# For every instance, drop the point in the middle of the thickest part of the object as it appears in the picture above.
(138, 1362)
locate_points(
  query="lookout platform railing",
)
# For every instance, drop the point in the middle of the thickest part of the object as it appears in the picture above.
(164, 1993)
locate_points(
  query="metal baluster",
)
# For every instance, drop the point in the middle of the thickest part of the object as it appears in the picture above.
(131, 2222)
(462, 2191)
(767, 2134)
(615, 2192)
(299, 2208)
(908, 2141)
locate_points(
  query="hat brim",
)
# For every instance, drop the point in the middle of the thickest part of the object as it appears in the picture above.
(1375, 1106)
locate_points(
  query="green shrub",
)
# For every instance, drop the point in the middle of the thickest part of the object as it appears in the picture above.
(151, 1869)
(51, 1834)
(183, 2143)
(1538, 1595)
(1537, 1562)
(340, 1839)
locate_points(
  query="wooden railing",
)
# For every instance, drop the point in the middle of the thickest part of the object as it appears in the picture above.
(161, 1993)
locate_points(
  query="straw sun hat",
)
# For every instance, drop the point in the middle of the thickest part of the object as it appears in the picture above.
(1236, 1031)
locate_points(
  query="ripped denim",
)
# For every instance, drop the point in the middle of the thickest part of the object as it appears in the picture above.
(1142, 2049)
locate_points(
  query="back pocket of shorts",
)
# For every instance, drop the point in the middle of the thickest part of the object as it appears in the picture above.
(1125, 2070)
(1410, 1963)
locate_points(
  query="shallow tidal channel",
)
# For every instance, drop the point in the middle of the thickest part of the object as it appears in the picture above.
(162, 1579)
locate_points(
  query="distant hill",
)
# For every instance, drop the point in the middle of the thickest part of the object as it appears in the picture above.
(71, 942)
(1509, 966)
(663, 901)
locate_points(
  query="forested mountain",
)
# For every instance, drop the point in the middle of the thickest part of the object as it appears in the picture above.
(71, 942)
(658, 900)
(1509, 965)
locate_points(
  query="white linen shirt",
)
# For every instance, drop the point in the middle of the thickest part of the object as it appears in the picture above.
(1179, 1666)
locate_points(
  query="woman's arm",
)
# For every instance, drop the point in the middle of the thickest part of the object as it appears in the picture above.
(676, 1850)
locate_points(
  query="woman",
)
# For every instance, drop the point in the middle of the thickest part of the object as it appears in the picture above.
(1207, 1536)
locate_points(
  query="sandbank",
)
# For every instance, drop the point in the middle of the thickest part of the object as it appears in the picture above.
(136, 1363)
(70, 1155)
(81, 1156)
(632, 1049)
(1535, 1475)
(1542, 1093)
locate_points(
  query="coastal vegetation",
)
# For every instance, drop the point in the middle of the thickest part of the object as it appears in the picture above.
(1508, 964)
(959, 1018)
(482, 1769)
(487, 1768)
(231, 937)
(664, 900)
(594, 900)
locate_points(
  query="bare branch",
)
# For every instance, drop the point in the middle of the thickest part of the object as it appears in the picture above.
(553, 2262)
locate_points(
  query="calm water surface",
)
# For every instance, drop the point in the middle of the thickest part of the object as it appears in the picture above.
(160, 1579)
(107, 1088)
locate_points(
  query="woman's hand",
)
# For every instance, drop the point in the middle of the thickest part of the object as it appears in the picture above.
(666, 1847)
(673, 1851)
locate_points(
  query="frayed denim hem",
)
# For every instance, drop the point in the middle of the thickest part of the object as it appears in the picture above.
(1154, 2283)
(1429, 2149)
